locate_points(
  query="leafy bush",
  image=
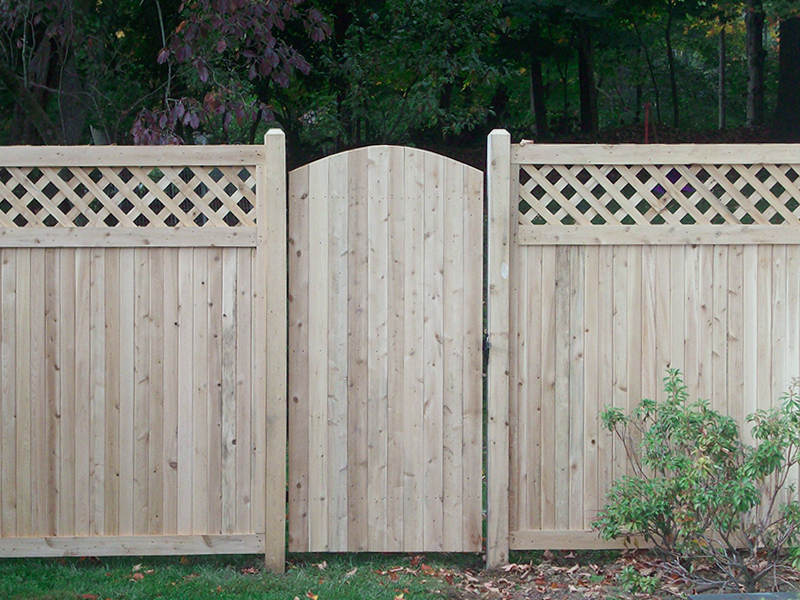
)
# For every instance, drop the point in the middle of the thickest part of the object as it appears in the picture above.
(700, 495)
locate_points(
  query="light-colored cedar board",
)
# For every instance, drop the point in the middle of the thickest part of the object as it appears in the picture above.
(433, 311)
(653, 154)
(734, 331)
(126, 237)
(659, 235)
(577, 376)
(214, 375)
(299, 297)
(317, 375)
(185, 378)
(377, 234)
(8, 392)
(704, 338)
(244, 389)
(605, 366)
(175, 545)
(112, 392)
(337, 282)
(502, 216)
(634, 339)
(52, 381)
(171, 392)
(473, 361)
(69, 376)
(141, 393)
(548, 357)
(40, 517)
(97, 416)
(83, 361)
(518, 393)
(453, 355)
(592, 497)
(765, 316)
(136, 156)
(533, 334)
(563, 400)
(23, 397)
(200, 398)
(357, 308)
(413, 386)
(751, 334)
(649, 360)
(228, 443)
(619, 395)
(569, 540)
(273, 204)
(778, 333)
(395, 350)
(156, 397)
(127, 316)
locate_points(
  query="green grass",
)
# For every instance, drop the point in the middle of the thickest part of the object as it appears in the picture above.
(343, 577)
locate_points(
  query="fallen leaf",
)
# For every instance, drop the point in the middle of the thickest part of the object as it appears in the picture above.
(184, 560)
(322, 566)
(136, 568)
(88, 597)
(137, 576)
(250, 571)
(399, 597)
(311, 596)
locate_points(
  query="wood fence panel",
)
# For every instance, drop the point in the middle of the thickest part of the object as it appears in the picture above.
(626, 262)
(134, 416)
(385, 307)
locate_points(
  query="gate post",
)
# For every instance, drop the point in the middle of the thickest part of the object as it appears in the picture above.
(498, 298)
(271, 337)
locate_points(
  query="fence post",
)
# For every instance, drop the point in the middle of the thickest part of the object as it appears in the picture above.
(271, 337)
(498, 246)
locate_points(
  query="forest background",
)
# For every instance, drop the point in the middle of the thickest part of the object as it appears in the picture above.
(336, 74)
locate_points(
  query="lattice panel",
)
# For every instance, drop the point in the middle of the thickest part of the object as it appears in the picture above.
(127, 197)
(648, 195)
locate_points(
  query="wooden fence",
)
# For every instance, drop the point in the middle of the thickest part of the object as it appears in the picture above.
(385, 315)
(606, 265)
(142, 343)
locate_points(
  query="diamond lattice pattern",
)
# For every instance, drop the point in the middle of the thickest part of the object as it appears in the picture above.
(127, 197)
(659, 194)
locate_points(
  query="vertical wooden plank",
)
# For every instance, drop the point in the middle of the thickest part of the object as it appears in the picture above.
(171, 393)
(83, 359)
(337, 278)
(200, 402)
(317, 325)
(592, 499)
(214, 390)
(577, 401)
(38, 430)
(692, 321)
(619, 397)
(719, 331)
(395, 350)
(377, 344)
(298, 359)
(244, 389)
(97, 418)
(606, 352)
(705, 336)
(562, 387)
(473, 362)
(432, 426)
(735, 334)
(52, 382)
(764, 319)
(678, 258)
(141, 392)
(662, 312)
(229, 443)
(453, 359)
(186, 388)
(502, 225)
(792, 354)
(752, 313)
(548, 358)
(127, 379)
(518, 394)
(112, 326)
(779, 380)
(8, 391)
(650, 316)
(413, 459)
(358, 319)
(271, 260)
(634, 325)
(23, 388)
(155, 397)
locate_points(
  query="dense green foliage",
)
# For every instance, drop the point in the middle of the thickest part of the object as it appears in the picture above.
(699, 493)
(340, 73)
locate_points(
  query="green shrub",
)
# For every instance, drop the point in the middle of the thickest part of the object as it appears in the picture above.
(698, 494)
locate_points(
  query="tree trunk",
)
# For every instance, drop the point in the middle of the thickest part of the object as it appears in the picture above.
(673, 79)
(787, 115)
(538, 102)
(588, 89)
(29, 105)
(754, 22)
(651, 71)
(721, 100)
